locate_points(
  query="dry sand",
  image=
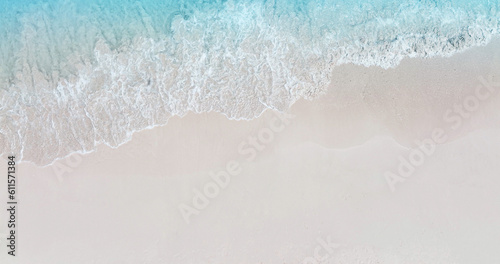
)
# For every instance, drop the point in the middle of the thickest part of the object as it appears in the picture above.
(314, 182)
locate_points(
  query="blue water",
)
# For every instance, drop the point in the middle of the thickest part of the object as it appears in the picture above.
(74, 74)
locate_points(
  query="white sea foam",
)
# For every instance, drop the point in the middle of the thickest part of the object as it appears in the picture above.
(56, 99)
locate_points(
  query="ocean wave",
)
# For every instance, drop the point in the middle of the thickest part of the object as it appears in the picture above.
(74, 75)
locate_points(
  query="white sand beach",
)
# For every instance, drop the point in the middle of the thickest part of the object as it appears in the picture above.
(321, 183)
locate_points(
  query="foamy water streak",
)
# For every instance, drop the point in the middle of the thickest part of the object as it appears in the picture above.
(77, 74)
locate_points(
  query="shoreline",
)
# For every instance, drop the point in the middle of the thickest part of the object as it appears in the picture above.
(205, 189)
(350, 94)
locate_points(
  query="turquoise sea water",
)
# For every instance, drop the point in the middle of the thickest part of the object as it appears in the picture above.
(74, 74)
